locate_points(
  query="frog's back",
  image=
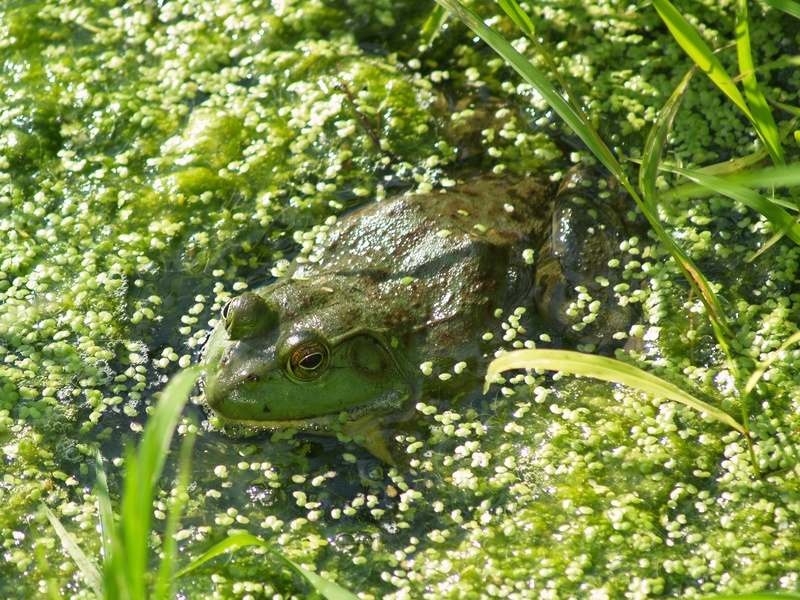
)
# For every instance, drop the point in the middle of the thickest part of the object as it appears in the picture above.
(421, 231)
(429, 269)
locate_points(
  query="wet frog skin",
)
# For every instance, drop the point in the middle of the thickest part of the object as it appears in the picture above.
(408, 280)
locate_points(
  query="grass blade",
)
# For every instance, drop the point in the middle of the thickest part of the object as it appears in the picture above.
(519, 16)
(576, 121)
(787, 6)
(703, 56)
(777, 216)
(104, 509)
(143, 469)
(762, 115)
(605, 369)
(166, 571)
(328, 589)
(657, 139)
(699, 52)
(579, 123)
(430, 29)
(756, 376)
(85, 564)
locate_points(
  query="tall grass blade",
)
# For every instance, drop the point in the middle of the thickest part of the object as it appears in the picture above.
(130, 570)
(657, 139)
(605, 369)
(576, 121)
(582, 127)
(431, 28)
(104, 508)
(85, 564)
(776, 215)
(328, 589)
(762, 115)
(787, 6)
(519, 16)
(767, 177)
(699, 52)
(168, 567)
(756, 376)
(143, 469)
(703, 56)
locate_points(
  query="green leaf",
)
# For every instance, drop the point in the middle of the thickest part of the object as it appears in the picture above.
(704, 57)
(85, 564)
(519, 16)
(605, 369)
(431, 28)
(756, 376)
(328, 589)
(699, 52)
(142, 472)
(104, 508)
(576, 120)
(657, 139)
(776, 215)
(763, 120)
(787, 6)
(166, 572)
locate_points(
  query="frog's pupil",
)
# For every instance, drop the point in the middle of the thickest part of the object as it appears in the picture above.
(312, 361)
(225, 310)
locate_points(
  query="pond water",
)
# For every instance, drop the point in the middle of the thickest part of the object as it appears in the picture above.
(157, 159)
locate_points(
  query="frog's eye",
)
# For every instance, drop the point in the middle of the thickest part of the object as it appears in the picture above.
(308, 361)
(226, 308)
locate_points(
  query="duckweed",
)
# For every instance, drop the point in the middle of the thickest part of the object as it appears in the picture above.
(157, 160)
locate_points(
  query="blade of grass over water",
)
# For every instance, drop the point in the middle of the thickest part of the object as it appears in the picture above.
(779, 217)
(605, 369)
(762, 115)
(328, 589)
(86, 565)
(581, 125)
(704, 57)
(430, 29)
(125, 545)
(657, 139)
(143, 469)
(532, 75)
(756, 376)
(787, 6)
(166, 572)
(519, 16)
(104, 509)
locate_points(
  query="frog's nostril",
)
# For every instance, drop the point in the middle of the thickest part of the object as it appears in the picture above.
(253, 378)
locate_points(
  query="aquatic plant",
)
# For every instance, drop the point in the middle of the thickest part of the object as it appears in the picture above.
(126, 571)
(757, 111)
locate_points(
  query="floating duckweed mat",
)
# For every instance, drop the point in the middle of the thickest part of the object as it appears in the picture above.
(157, 159)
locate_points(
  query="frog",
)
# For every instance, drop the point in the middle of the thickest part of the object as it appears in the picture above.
(339, 344)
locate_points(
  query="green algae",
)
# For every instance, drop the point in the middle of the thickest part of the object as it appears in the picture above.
(155, 159)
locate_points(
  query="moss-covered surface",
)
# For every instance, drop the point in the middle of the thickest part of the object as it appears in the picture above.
(156, 158)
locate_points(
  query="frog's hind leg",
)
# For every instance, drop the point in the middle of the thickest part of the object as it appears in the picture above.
(580, 267)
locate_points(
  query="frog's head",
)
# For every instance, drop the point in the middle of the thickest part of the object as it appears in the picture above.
(299, 356)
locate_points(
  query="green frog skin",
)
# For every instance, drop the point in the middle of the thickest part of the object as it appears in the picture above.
(412, 279)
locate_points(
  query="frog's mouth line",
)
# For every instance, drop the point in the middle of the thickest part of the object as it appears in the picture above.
(390, 402)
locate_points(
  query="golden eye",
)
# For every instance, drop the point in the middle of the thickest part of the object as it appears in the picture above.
(308, 361)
